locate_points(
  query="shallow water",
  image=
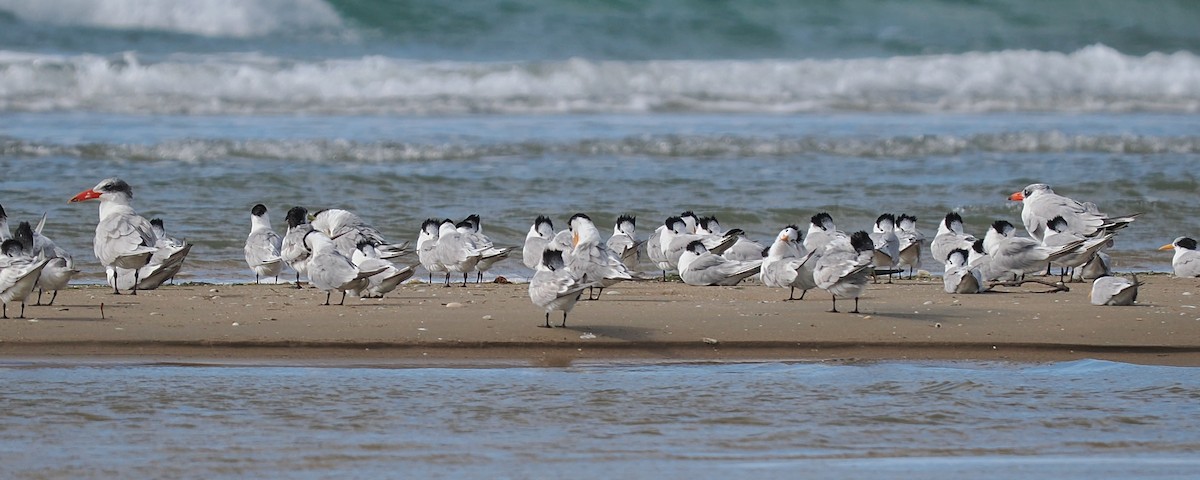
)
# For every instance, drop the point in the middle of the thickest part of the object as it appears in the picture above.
(808, 420)
(755, 172)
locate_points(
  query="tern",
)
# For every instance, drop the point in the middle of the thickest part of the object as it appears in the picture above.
(540, 234)
(292, 248)
(887, 243)
(262, 246)
(822, 232)
(624, 243)
(19, 273)
(787, 264)
(1058, 234)
(654, 251)
(1039, 205)
(473, 227)
(124, 239)
(366, 258)
(456, 252)
(331, 271)
(1186, 262)
(911, 242)
(349, 230)
(1114, 291)
(950, 237)
(555, 287)
(164, 264)
(1020, 255)
(675, 239)
(960, 276)
(697, 266)
(427, 241)
(844, 267)
(590, 257)
(61, 267)
(743, 249)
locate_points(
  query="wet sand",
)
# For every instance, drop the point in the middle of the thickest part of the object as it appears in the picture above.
(420, 324)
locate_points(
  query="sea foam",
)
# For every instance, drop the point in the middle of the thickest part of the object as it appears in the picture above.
(1094, 79)
(216, 18)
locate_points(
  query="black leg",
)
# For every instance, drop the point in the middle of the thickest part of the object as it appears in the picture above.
(5, 315)
(548, 321)
(115, 277)
(791, 294)
(256, 278)
(298, 280)
(855, 305)
(464, 279)
(343, 302)
(327, 297)
(22, 309)
(39, 300)
(802, 294)
(136, 273)
(52, 297)
(564, 324)
(834, 303)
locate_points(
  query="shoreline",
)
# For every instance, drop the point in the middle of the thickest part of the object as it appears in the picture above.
(423, 325)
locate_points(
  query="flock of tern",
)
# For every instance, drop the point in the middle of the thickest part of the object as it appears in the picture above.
(338, 252)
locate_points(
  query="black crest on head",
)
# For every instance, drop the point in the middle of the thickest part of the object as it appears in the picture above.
(861, 241)
(11, 247)
(672, 220)
(297, 216)
(952, 218)
(1000, 226)
(820, 219)
(24, 235)
(2, 214)
(688, 213)
(905, 216)
(793, 227)
(696, 247)
(959, 251)
(117, 185)
(552, 259)
(887, 216)
(157, 222)
(978, 246)
(430, 222)
(1186, 242)
(258, 210)
(626, 218)
(543, 219)
(578, 215)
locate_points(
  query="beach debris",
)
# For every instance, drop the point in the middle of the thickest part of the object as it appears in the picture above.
(710, 341)
(587, 336)
(487, 317)
(501, 280)
(234, 324)
(454, 305)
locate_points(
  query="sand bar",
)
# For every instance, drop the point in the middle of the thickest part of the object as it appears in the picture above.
(420, 324)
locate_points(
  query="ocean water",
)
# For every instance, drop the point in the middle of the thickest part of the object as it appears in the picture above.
(1073, 420)
(762, 115)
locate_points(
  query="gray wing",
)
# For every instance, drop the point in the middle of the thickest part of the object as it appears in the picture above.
(1187, 264)
(121, 235)
(262, 247)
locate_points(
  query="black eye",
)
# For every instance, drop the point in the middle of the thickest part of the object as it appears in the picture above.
(1027, 192)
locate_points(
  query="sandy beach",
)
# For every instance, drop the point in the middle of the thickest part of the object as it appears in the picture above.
(421, 324)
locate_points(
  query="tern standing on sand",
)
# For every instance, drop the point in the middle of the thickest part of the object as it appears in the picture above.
(262, 246)
(123, 239)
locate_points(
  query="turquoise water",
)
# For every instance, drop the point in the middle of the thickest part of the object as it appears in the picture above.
(1078, 419)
